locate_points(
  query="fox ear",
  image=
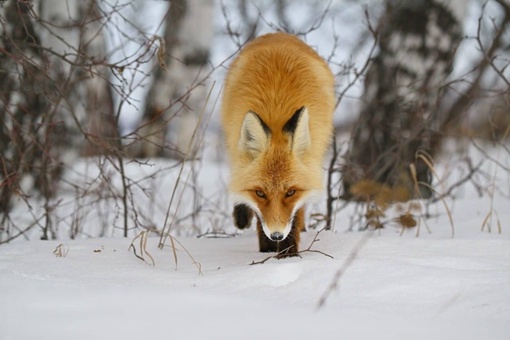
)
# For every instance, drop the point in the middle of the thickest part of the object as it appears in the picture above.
(254, 135)
(297, 127)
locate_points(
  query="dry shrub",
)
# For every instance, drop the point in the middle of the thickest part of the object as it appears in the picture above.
(379, 198)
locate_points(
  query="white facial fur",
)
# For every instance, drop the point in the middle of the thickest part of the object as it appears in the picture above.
(240, 199)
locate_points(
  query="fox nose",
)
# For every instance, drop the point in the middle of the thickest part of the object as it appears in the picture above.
(276, 236)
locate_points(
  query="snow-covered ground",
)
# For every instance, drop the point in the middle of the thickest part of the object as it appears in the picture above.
(396, 288)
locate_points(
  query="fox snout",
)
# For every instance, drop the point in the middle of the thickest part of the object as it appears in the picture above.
(276, 236)
(276, 232)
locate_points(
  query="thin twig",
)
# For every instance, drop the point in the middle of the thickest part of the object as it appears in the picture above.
(343, 268)
(307, 250)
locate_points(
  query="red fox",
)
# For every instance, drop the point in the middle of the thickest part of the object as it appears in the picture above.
(277, 115)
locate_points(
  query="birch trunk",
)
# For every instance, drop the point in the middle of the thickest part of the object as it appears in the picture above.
(24, 108)
(417, 41)
(72, 30)
(52, 85)
(177, 94)
(102, 121)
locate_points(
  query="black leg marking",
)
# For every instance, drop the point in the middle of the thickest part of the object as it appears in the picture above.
(265, 244)
(242, 216)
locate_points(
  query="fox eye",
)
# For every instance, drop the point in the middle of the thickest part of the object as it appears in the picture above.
(260, 194)
(290, 193)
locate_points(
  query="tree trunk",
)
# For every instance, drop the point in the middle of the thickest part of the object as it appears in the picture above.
(417, 43)
(178, 92)
(51, 85)
(73, 32)
(103, 133)
(24, 107)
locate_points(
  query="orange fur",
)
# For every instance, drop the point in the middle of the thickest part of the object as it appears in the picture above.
(274, 76)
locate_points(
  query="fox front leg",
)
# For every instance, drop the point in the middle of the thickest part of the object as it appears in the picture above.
(242, 216)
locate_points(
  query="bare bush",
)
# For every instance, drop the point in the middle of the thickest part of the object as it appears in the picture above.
(73, 74)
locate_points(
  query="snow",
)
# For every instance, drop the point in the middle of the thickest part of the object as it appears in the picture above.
(396, 287)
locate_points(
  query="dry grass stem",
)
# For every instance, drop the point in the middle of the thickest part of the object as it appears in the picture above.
(427, 159)
(166, 233)
(143, 248)
(173, 240)
(61, 250)
(161, 52)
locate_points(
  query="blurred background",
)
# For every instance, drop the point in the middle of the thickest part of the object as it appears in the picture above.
(109, 109)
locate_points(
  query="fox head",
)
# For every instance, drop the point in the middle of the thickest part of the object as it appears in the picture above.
(275, 176)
